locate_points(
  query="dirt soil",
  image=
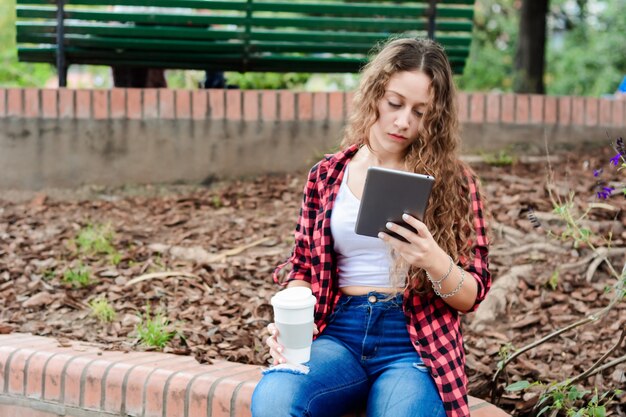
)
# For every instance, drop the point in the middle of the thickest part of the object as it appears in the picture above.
(203, 257)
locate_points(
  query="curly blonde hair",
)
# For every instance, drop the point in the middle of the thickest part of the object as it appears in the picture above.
(449, 213)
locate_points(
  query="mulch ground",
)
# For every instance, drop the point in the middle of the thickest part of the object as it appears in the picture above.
(203, 256)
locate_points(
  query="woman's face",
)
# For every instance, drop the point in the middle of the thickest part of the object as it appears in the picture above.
(400, 113)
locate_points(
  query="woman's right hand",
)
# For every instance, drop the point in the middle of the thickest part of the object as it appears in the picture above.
(276, 349)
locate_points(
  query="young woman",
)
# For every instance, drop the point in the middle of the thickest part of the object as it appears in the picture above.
(387, 310)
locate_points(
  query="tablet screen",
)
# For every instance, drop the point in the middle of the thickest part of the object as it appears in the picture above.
(387, 195)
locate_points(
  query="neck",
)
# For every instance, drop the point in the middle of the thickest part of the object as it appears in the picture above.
(372, 157)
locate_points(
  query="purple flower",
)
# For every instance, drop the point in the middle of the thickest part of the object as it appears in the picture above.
(605, 193)
(597, 172)
(616, 158)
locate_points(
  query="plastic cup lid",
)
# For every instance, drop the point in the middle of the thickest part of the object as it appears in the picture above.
(294, 298)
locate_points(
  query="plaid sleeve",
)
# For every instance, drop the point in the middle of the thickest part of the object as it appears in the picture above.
(300, 258)
(479, 265)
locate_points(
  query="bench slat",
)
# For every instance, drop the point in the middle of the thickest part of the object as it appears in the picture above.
(168, 32)
(217, 62)
(392, 25)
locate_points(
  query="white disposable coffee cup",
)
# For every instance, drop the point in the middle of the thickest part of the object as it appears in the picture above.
(293, 315)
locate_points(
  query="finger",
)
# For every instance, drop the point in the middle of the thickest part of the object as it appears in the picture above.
(402, 231)
(315, 329)
(272, 329)
(392, 241)
(418, 225)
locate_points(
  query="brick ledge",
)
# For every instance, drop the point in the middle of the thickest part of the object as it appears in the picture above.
(40, 378)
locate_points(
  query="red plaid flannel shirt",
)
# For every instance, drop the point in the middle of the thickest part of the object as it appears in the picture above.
(434, 326)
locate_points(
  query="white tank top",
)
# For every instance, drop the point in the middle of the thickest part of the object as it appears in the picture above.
(362, 260)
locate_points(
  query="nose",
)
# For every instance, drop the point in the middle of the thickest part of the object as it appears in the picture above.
(402, 120)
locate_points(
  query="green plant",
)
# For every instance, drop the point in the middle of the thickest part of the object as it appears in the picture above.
(78, 276)
(500, 159)
(154, 330)
(97, 240)
(102, 310)
(553, 281)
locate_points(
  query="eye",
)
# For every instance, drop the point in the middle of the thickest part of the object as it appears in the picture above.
(418, 113)
(394, 105)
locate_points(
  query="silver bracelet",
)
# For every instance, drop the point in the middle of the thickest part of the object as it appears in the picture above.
(454, 291)
(438, 283)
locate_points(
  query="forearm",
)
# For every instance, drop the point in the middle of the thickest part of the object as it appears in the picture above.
(298, 283)
(461, 285)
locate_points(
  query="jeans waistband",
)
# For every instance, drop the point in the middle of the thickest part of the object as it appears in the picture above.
(372, 298)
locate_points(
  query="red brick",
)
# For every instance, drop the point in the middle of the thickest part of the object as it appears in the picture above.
(565, 111)
(183, 104)
(83, 104)
(619, 119)
(508, 108)
(477, 108)
(93, 376)
(335, 106)
(243, 396)
(537, 108)
(591, 111)
(522, 109)
(578, 110)
(550, 110)
(224, 389)
(16, 370)
(136, 380)
(118, 374)
(606, 112)
(268, 105)
(3, 102)
(100, 104)
(233, 105)
(216, 104)
(52, 378)
(166, 104)
(198, 387)
(159, 382)
(305, 106)
(349, 104)
(493, 108)
(15, 354)
(463, 106)
(250, 105)
(71, 378)
(320, 106)
(133, 103)
(49, 104)
(118, 103)
(199, 104)
(34, 375)
(15, 102)
(31, 103)
(150, 103)
(287, 105)
(181, 383)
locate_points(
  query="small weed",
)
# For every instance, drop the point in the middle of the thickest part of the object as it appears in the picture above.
(217, 202)
(102, 310)
(153, 330)
(78, 277)
(97, 240)
(48, 274)
(500, 159)
(553, 282)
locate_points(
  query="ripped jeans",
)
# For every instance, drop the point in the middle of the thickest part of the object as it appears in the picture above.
(364, 357)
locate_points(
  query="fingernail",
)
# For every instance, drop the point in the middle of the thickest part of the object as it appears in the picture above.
(279, 349)
(405, 216)
(381, 235)
(389, 225)
(282, 360)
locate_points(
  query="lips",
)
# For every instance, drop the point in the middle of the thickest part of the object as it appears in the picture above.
(398, 138)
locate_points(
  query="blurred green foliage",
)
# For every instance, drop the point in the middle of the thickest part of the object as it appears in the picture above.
(586, 54)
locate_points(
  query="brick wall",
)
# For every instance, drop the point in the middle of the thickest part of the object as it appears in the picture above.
(39, 377)
(66, 138)
(284, 105)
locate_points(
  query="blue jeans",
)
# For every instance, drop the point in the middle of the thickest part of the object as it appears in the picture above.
(364, 356)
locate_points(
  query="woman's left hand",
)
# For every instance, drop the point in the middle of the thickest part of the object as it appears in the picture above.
(421, 250)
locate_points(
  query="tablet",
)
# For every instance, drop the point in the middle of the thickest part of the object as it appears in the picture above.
(387, 195)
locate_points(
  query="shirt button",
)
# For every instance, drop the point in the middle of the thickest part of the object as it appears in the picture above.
(372, 299)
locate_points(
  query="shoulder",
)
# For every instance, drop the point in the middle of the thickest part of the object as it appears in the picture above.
(332, 164)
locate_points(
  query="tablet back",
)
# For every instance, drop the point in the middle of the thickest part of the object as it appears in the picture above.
(387, 195)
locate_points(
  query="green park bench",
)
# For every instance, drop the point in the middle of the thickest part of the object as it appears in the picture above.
(233, 35)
